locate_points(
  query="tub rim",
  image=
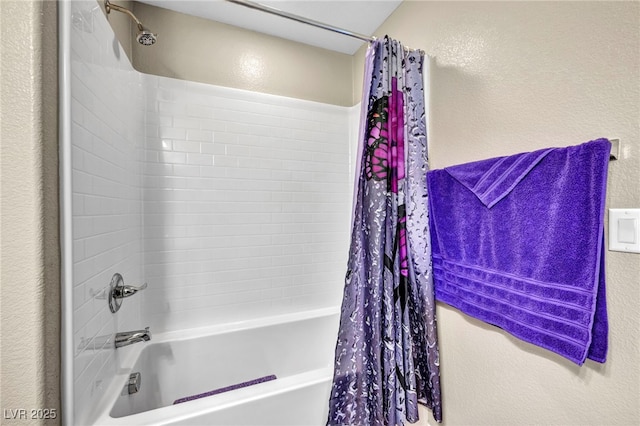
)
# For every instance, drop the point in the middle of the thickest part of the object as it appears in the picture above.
(158, 416)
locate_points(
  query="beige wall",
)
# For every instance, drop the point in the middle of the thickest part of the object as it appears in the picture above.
(197, 49)
(518, 76)
(30, 331)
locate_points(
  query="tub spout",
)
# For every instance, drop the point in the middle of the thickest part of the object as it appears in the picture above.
(130, 337)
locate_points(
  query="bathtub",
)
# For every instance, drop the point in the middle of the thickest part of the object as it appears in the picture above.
(297, 348)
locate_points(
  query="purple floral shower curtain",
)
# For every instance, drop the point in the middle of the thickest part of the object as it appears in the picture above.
(386, 359)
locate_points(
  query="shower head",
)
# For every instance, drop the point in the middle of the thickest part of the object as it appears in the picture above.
(145, 36)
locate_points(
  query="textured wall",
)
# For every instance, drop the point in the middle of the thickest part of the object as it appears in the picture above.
(518, 76)
(246, 204)
(30, 275)
(197, 49)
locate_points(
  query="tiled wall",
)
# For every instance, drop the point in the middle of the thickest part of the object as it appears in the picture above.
(230, 204)
(246, 204)
(107, 135)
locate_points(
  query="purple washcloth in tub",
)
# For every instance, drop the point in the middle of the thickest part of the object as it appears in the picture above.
(518, 242)
(226, 389)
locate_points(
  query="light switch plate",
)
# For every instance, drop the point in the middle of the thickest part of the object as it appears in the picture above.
(624, 230)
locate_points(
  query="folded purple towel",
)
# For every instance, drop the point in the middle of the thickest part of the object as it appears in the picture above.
(226, 389)
(518, 242)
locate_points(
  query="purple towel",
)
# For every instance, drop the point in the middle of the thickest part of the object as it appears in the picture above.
(226, 389)
(518, 242)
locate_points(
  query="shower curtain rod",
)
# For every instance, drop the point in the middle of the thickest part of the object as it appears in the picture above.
(278, 12)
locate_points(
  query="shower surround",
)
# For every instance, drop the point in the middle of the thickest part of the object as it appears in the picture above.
(231, 205)
(246, 204)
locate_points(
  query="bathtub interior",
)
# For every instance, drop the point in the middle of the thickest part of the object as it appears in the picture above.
(307, 405)
(291, 350)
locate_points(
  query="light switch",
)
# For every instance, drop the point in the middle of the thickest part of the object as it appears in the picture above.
(627, 230)
(624, 232)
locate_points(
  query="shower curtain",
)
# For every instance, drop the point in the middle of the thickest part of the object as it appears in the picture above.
(386, 359)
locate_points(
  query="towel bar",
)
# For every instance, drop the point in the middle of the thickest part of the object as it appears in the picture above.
(615, 149)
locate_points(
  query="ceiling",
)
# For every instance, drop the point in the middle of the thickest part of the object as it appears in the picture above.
(358, 16)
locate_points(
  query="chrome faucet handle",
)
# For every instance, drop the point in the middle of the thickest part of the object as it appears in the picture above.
(118, 291)
(127, 290)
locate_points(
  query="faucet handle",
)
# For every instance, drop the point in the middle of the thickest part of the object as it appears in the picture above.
(118, 291)
(127, 290)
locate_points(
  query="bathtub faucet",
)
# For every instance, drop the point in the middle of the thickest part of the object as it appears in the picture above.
(129, 337)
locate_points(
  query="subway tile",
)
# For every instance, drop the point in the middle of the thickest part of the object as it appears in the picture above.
(227, 205)
(106, 137)
(251, 140)
(200, 159)
(226, 161)
(213, 125)
(158, 144)
(200, 135)
(172, 133)
(212, 148)
(185, 170)
(213, 172)
(151, 156)
(183, 122)
(199, 111)
(173, 108)
(260, 163)
(186, 146)
(172, 157)
(152, 169)
(226, 137)
(238, 150)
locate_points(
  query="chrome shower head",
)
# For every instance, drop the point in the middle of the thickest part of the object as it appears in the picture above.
(144, 37)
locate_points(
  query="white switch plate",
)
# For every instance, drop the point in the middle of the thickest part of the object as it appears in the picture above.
(624, 230)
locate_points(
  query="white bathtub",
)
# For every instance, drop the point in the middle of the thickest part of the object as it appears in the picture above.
(297, 348)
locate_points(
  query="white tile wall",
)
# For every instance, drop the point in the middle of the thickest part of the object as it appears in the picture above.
(230, 204)
(107, 135)
(246, 204)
